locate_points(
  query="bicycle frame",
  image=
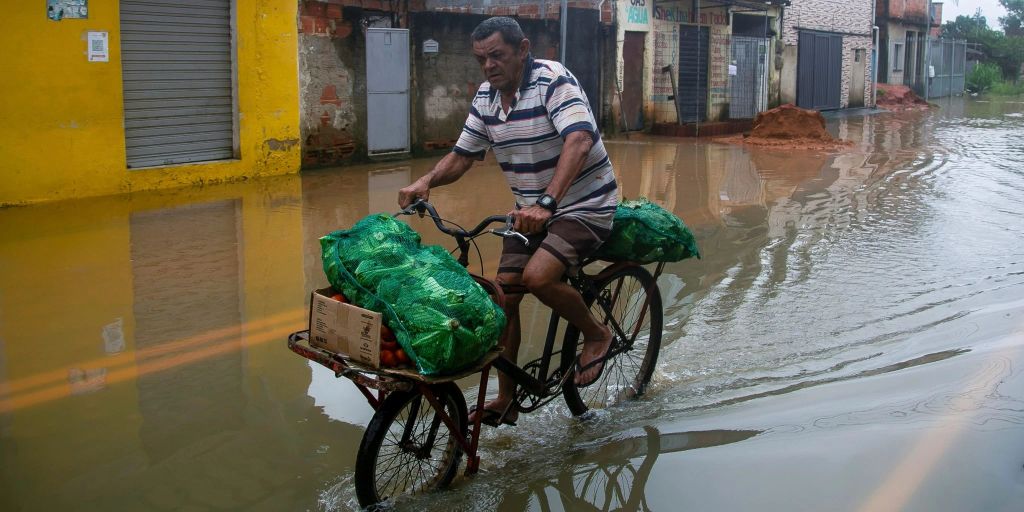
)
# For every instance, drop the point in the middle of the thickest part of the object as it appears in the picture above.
(543, 386)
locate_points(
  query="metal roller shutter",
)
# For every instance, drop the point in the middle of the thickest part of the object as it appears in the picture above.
(693, 73)
(178, 81)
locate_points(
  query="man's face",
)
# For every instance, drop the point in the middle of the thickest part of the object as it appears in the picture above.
(501, 62)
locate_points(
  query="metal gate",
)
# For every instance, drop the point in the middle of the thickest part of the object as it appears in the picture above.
(387, 90)
(819, 70)
(948, 58)
(748, 88)
(693, 73)
(178, 78)
(633, 81)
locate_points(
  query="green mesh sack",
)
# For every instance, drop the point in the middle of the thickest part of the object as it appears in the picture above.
(442, 318)
(645, 233)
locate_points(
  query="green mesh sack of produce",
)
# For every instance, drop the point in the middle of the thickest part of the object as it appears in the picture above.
(645, 233)
(442, 318)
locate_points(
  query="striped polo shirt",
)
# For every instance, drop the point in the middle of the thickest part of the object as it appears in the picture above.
(527, 141)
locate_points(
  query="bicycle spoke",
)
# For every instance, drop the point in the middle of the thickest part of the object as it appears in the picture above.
(625, 304)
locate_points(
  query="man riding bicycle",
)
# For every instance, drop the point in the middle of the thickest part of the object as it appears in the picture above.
(536, 118)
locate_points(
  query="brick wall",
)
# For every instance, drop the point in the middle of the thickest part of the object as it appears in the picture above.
(332, 83)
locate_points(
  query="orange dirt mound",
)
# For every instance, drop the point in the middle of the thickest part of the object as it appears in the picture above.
(898, 97)
(789, 127)
(790, 122)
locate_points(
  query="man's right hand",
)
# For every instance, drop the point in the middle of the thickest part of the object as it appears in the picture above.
(408, 195)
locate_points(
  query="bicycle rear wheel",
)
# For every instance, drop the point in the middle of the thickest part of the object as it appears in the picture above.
(407, 449)
(629, 299)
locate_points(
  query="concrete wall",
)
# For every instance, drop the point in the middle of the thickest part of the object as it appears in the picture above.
(62, 130)
(852, 19)
(444, 82)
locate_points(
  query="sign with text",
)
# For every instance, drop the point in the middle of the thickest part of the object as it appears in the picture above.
(636, 15)
(679, 14)
(99, 49)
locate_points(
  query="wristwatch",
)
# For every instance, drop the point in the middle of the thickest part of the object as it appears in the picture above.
(547, 202)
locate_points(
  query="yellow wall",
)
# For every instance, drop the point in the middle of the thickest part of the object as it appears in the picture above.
(61, 117)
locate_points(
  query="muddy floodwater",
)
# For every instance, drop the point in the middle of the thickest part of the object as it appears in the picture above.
(853, 339)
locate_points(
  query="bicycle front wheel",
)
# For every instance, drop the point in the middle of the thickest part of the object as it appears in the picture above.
(407, 448)
(627, 302)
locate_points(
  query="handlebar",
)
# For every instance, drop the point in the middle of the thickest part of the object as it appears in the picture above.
(421, 206)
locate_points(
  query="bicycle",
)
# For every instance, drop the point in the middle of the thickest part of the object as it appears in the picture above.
(404, 449)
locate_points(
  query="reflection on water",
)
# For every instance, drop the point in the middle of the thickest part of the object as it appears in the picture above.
(605, 474)
(141, 338)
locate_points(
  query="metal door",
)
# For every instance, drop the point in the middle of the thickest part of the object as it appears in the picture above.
(178, 79)
(387, 90)
(633, 80)
(693, 73)
(819, 70)
(748, 87)
(947, 58)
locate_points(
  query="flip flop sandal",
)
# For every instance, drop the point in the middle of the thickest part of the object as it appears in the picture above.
(599, 361)
(492, 417)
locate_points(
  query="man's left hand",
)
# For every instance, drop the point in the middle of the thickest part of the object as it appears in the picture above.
(532, 219)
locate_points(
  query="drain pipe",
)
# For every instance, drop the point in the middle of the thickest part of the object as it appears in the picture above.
(565, 22)
(927, 51)
(707, 102)
(874, 61)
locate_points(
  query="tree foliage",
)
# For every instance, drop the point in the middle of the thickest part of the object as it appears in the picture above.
(998, 48)
(1014, 17)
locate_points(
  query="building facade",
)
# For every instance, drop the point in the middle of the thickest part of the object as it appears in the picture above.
(827, 54)
(130, 95)
(378, 79)
(904, 27)
(713, 61)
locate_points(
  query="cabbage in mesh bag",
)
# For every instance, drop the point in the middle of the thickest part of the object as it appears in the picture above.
(645, 232)
(442, 318)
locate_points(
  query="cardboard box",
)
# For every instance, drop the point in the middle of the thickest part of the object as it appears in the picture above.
(344, 329)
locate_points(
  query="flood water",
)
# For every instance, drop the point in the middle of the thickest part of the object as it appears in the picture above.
(852, 340)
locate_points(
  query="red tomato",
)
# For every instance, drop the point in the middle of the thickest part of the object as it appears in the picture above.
(387, 359)
(339, 297)
(402, 357)
(386, 334)
(389, 345)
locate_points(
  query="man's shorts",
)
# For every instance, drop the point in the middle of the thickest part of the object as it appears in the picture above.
(567, 238)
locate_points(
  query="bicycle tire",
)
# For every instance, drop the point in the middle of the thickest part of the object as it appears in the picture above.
(626, 374)
(409, 467)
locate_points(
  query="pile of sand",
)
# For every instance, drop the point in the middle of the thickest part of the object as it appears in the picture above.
(789, 127)
(899, 97)
(790, 122)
